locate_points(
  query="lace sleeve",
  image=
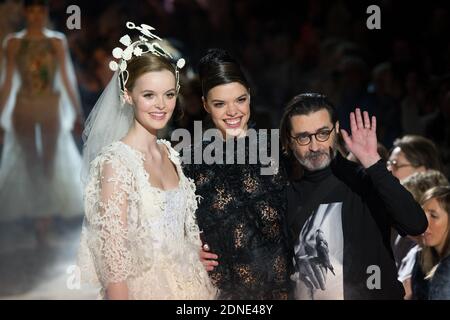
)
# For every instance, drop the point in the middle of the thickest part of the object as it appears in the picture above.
(192, 231)
(110, 198)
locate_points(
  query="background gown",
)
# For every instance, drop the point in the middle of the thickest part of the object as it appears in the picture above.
(40, 165)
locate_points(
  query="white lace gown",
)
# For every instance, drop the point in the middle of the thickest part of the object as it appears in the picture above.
(140, 234)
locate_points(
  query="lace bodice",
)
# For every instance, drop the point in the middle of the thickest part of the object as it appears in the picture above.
(169, 227)
(242, 218)
(137, 233)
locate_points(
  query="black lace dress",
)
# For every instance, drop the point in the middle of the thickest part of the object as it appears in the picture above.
(241, 214)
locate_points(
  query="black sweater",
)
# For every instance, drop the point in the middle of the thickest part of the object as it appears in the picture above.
(373, 201)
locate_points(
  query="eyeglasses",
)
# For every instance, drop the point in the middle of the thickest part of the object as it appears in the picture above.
(320, 136)
(393, 164)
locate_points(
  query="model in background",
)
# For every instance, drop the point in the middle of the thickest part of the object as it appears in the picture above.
(40, 167)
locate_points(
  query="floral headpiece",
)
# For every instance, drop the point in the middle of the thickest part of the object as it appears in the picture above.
(148, 42)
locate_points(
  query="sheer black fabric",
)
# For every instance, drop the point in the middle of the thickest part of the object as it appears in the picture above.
(241, 214)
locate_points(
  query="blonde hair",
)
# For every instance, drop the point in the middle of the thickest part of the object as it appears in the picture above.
(148, 62)
(418, 183)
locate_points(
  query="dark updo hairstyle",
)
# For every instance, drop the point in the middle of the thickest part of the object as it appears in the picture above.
(217, 67)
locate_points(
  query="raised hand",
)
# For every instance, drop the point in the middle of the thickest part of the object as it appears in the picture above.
(363, 140)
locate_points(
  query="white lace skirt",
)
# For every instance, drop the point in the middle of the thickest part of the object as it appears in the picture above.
(165, 284)
(182, 278)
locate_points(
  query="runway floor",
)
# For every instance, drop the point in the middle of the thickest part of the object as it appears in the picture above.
(30, 271)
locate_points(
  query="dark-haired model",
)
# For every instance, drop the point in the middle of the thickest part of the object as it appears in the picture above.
(241, 211)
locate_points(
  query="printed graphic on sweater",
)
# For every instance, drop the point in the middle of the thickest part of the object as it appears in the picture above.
(319, 255)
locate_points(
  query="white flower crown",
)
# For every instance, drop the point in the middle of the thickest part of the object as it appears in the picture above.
(146, 43)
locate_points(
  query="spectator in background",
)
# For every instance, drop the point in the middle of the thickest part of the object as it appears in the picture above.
(431, 272)
(385, 89)
(412, 154)
(353, 73)
(405, 248)
(438, 129)
(413, 104)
